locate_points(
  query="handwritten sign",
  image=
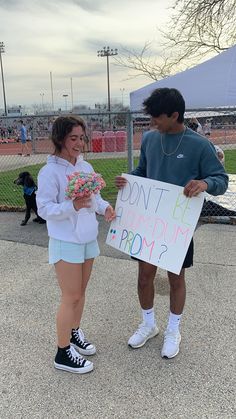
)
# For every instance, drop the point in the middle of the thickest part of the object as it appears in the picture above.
(155, 222)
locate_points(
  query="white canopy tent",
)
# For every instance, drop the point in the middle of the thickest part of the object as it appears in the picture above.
(211, 84)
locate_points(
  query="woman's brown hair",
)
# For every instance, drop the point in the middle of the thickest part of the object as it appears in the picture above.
(62, 126)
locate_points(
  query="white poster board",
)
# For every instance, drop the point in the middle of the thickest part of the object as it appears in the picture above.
(154, 222)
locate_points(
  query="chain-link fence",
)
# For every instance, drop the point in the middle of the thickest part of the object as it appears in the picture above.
(113, 145)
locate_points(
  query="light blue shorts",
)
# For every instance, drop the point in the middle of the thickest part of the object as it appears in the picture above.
(71, 252)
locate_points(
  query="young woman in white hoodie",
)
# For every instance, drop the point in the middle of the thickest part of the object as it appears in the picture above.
(72, 229)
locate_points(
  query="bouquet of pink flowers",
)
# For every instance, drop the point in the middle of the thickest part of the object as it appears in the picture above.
(83, 184)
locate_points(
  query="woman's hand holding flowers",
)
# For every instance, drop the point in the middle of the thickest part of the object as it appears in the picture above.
(82, 202)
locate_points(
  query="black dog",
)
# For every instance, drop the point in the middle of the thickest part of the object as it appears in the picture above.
(29, 187)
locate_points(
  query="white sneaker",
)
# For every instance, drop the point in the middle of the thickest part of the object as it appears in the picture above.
(142, 335)
(171, 344)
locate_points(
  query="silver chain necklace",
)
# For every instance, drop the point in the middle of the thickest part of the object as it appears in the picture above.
(173, 152)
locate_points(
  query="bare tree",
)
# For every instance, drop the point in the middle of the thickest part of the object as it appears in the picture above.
(145, 62)
(192, 14)
(197, 29)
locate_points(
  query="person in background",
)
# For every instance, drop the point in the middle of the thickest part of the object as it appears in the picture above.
(211, 208)
(207, 128)
(175, 154)
(72, 229)
(220, 154)
(195, 125)
(23, 138)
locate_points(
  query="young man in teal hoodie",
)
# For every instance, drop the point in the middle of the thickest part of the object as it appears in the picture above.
(175, 154)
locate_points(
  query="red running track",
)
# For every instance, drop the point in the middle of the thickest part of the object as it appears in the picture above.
(44, 145)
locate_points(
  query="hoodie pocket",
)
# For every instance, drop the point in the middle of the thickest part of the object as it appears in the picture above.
(86, 227)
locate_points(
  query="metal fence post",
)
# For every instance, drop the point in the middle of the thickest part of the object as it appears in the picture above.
(130, 141)
(33, 139)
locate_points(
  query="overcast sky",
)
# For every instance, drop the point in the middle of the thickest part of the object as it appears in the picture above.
(62, 37)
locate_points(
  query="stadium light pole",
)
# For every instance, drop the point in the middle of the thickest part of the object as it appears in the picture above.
(122, 95)
(42, 96)
(52, 91)
(72, 95)
(65, 97)
(2, 46)
(107, 52)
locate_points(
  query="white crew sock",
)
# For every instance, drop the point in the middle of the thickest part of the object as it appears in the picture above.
(174, 321)
(149, 317)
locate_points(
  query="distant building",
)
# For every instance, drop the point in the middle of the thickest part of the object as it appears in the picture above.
(16, 111)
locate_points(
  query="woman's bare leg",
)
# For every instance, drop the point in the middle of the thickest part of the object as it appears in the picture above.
(86, 272)
(70, 279)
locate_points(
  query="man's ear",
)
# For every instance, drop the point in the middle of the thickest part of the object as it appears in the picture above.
(175, 116)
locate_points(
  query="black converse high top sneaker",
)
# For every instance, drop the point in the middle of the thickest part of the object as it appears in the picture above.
(68, 359)
(81, 344)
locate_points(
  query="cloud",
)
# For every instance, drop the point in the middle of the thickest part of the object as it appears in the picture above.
(63, 36)
(87, 5)
(6, 4)
(16, 4)
(91, 5)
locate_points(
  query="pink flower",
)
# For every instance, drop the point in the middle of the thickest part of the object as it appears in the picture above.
(83, 184)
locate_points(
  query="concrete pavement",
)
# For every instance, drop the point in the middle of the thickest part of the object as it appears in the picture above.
(198, 383)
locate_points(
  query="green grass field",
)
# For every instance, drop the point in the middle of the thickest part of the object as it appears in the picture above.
(230, 161)
(11, 195)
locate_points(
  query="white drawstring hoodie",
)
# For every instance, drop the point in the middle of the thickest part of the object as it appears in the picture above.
(63, 221)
